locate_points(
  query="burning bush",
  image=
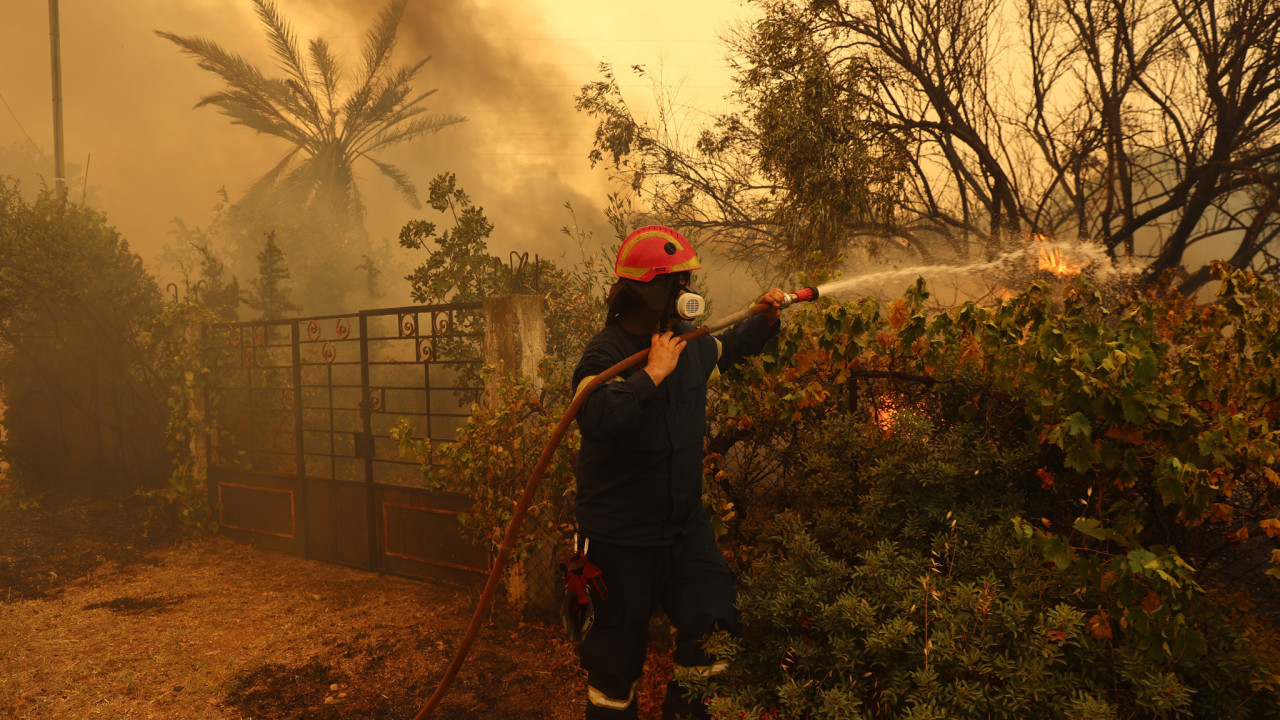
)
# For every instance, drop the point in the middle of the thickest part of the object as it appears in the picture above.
(1069, 512)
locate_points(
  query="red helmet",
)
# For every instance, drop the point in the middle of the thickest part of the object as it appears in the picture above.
(654, 250)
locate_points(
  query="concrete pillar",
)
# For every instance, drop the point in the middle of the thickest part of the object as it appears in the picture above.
(515, 333)
(515, 339)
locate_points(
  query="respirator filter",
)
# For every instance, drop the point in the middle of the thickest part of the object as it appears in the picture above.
(690, 305)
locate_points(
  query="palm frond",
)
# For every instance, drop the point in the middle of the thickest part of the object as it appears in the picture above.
(327, 71)
(282, 39)
(284, 43)
(244, 110)
(297, 102)
(305, 176)
(381, 38)
(407, 131)
(265, 185)
(400, 178)
(398, 115)
(326, 180)
(391, 90)
(304, 105)
(347, 180)
(306, 182)
(329, 187)
(379, 42)
(231, 67)
(387, 100)
(246, 85)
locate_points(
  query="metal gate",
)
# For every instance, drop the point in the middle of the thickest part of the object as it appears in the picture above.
(301, 458)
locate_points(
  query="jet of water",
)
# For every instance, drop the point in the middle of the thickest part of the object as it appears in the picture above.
(1079, 255)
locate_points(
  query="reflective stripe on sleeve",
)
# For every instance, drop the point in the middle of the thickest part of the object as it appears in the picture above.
(588, 379)
(715, 369)
(583, 384)
(599, 699)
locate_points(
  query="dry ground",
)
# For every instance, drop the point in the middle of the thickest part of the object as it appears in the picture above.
(211, 629)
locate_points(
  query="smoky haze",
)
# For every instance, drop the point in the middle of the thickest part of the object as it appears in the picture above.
(128, 116)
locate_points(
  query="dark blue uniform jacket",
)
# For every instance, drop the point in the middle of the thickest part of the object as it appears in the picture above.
(640, 468)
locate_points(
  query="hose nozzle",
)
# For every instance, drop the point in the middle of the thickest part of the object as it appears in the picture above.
(804, 294)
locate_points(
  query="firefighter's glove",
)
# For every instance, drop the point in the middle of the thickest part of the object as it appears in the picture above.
(582, 580)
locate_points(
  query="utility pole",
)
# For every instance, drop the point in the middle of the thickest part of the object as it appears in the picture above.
(59, 156)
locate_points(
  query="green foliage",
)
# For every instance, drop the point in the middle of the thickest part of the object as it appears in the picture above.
(494, 454)
(81, 376)
(493, 458)
(791, 177)
(181, 330)
(323, 257)
(933, 129)
(203, 268)
(459, 268)
(831, 153)
(1028, 509)
(89, 359)
(219, 297)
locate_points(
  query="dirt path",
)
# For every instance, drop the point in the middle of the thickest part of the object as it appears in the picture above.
(218, 630)
(99, 621)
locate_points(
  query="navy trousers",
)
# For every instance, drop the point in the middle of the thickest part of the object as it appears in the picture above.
(691, 582)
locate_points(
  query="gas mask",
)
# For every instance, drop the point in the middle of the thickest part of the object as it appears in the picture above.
(689, 304)
(667, 297)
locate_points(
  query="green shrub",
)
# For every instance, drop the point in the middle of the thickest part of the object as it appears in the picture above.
(85, 401)
(1010, 511)
(496, 450)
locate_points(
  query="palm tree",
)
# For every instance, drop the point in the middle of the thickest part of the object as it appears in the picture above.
(329, 131)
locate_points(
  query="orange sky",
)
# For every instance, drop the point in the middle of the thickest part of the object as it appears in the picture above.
(512, 68)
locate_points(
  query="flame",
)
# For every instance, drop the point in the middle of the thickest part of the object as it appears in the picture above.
(884, 414)
(1052, 259)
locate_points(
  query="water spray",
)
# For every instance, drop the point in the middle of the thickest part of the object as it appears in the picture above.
(1059, 258)
(522, 507)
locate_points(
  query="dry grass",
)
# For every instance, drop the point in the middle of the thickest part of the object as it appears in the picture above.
(212, 629)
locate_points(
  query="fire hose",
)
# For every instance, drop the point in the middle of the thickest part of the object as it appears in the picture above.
(522, 507)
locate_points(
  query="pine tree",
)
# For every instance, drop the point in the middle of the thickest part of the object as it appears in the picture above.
(220, 297)
(269, 295)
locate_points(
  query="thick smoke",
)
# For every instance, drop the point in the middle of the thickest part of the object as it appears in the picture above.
(150, 157)
(512, 68)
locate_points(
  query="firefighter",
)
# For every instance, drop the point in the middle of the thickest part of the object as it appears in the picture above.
(639, 475)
